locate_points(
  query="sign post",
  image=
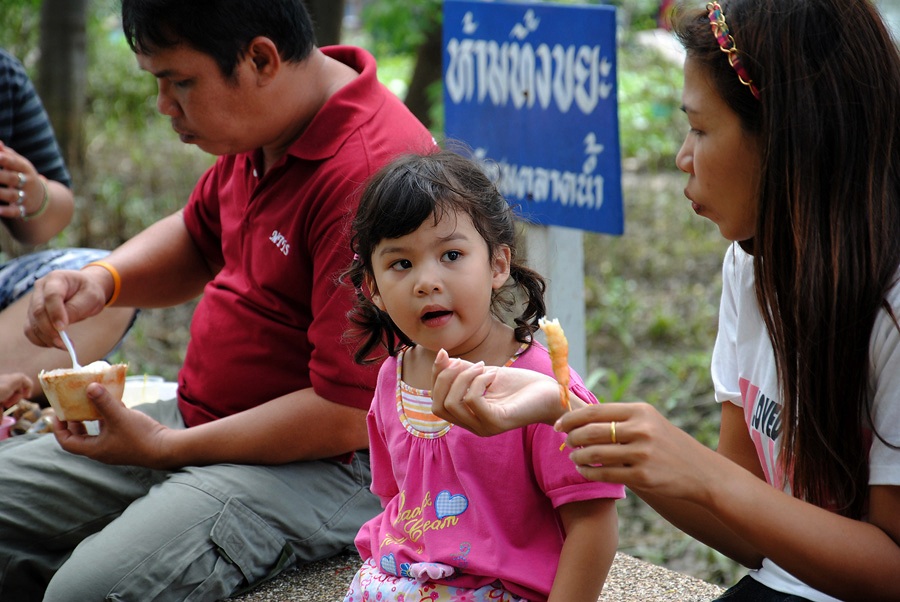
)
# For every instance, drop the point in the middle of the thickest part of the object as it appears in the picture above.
(531, 88)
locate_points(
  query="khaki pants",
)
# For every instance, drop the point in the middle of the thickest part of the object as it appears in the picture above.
(87, 531)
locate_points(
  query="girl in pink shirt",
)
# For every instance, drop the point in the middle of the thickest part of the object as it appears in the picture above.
(465, 518)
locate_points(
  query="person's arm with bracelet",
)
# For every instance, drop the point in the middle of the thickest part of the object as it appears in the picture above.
(35, 208)
(159, 267)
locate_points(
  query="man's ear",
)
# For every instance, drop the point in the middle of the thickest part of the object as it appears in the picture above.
(500, 266)
(263, 54)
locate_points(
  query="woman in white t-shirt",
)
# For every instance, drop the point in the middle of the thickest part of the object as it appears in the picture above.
(794, 153)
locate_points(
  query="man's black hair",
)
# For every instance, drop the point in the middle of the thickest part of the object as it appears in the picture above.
(222, 29)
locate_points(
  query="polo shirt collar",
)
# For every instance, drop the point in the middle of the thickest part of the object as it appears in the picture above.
(341, 115)
(345, 112)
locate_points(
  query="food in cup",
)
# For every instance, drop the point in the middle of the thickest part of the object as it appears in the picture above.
(65, 388)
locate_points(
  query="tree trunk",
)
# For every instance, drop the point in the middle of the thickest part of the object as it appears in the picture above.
(328, 16)
(426, 72)
(62, 75)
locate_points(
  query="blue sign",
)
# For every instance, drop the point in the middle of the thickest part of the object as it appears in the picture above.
(531, 88)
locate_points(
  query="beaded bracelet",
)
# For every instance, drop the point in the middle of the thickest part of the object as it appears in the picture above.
(117, 279)
(44, 203)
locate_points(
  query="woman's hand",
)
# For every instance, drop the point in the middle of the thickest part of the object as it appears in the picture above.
(642, 450)
(126, 436)
(33, 208)
(492, 400)
(21, 192)
(633, 444)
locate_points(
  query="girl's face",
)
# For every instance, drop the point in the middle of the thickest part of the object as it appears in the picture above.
(436, 283)
(721, 158)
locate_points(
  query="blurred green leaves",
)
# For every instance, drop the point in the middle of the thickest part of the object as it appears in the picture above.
(399, 26)
(120, 96)
(21, 29)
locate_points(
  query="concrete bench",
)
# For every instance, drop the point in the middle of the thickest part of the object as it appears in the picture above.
(630, 580)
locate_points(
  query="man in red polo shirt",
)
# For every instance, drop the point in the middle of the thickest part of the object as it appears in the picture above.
(256, 466)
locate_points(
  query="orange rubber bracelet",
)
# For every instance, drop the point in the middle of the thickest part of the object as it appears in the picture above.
(117, 280)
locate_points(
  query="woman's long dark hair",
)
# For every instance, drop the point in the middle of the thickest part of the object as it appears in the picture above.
(827, 243)
(396, 201)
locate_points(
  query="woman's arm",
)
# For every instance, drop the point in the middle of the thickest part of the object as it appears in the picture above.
(846, 558)
(592, 536)
(718, 498)
(698, 521)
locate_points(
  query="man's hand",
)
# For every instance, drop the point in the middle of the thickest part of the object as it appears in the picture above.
(60, 298)
(126, 436)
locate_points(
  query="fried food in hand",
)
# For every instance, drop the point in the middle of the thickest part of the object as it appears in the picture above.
(559, 356)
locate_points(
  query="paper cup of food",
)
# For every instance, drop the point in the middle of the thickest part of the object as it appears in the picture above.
(65, 388)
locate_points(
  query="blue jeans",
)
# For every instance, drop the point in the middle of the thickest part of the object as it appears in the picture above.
(749, 589)
(17, 276)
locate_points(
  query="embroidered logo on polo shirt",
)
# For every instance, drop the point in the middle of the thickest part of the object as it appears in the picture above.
(280, 242)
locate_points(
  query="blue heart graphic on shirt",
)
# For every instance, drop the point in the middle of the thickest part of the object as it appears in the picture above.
(448, 504)
(389, 564)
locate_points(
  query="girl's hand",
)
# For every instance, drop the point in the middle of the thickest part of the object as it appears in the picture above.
(13, 387)
(492, 400)
(649, 453)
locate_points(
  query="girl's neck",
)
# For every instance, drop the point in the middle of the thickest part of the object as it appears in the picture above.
(495, 349)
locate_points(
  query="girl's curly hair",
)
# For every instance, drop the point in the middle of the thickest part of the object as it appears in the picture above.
(395, 202)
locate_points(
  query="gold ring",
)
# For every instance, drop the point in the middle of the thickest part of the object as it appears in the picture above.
(612, 431)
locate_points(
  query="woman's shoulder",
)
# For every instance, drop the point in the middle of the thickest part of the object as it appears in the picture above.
(737, 270)
(886, 330)
(8, 61)
(737, 260)
(12, 72)
(893, 293)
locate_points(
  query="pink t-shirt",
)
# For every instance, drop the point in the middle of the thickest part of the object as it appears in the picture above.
(271, 320)
(485, 505)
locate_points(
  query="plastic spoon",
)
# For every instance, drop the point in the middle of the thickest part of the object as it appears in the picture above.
(92, 427)
(71, 349)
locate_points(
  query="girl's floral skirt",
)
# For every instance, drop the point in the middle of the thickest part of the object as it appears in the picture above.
(372, 585)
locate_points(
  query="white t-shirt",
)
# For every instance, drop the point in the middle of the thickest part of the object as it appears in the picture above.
(743, 372)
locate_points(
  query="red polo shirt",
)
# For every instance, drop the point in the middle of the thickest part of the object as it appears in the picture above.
(271, 321)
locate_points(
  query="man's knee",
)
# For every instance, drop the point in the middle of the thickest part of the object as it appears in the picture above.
(210, 560)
